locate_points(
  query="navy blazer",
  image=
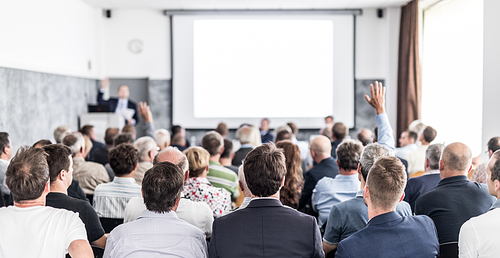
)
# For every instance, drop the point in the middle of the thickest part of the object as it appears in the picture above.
(268, 137)
(391, 236)
(113, 102)
(240, 155)
(266, 228)
(326, 167)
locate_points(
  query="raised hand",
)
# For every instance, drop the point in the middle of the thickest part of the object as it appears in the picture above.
(145, 112)
(105, 83)
(377, 99)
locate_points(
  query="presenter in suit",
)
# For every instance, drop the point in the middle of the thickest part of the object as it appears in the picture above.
(119, 104)
(265, 228)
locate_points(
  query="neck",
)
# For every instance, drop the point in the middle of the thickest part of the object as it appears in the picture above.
(447, 174)
(375, 211)
(276, 195)
(4, 157)
(362, 185)
(320, 157)
(40, 201)
(79, 155)
(215, 158)
(225, 161)
(346, 172)
(59, 188)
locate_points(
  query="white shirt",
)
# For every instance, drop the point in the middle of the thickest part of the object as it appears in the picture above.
(197, 214)
(38, 231)
(403, 151)
(416, 159)
(479, 236)
(156, 235)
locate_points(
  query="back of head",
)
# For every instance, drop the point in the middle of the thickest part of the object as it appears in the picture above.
(38, 144)
(110, 135)
(123, 159)
(228, 149)
(433, 154)
(283, 136)
(57, 159)
(457, 159)
(4, 141)
(173, 155)
(222, 129)
(417, 126)
(161, 186)
(494, 144)
(365, 136)
(348, 154)
(198, 159)
(244, 134)
(179, 139)
(213, 142)
(264, 168)
(75, 142)
(293, 127)
(60, 132)
(371, 153)
(176, 129)
(87, 130)
(162, 137)
(327, 131)
(494, 166)
(429, 134)
(145, 145)
(339, 131)
(123, 138)
(386, 182)
(129, 129)
(27, 174)
(283, 128)
(292, 157)
(321, 145)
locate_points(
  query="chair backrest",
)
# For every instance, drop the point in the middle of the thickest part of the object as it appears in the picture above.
(416, 174)
(98, 252)
(449, 250)
(109, 224)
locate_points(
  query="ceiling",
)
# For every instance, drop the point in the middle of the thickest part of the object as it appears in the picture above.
(245, 4)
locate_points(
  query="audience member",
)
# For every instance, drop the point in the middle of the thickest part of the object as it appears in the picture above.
(218, 175)
(365, 136)
(178, 130)
(292, 188)
(329, 121)
(148, 127)
(89, 174)
(418, 127)
(244, 135)
(88, 130)
(265, 228)
(325, 166)
(305, 155)
(455, 199)
(330, 191)
(197, 214)
(388, 234)
(41, 143)
(179, 141)
(88, 146)
(129, 129)
(111, 198)
(407, 141)
(283, 136)
(60, 132)
(5, 155)
(147, 150)
(227, 156)
(350, 216)
(327, 131)
(101, 155)
(339, 133)
(162, 138)
(255, 138)
(222, 130)
(479, 236)
(479, 175)
(158, 231)
(417, 186)
(119, 105)
(197, 186)
(416, 158)
(265, 131)
(61, 176)
(29, 228)
(244, 188)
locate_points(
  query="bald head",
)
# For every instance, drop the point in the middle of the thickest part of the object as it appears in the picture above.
(173, 155)
(455, 160)
(321, 145)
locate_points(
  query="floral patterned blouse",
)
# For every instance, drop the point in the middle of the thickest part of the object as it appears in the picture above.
(199, 189)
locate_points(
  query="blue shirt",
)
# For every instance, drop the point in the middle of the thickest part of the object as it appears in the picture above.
(325, 168)
(330, 191)
(385, 134)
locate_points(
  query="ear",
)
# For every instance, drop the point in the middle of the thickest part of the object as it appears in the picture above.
(82, 150)
(366, 193)
(470, 168)
(186, 175)
(490, 152)
(142, 193)
(360, 176)
(241, 186)
(207, 168)
(497, 185)
(62, 175)
(135, 166)
(426, 163)
(337, 162)
(282, 182)
(232, 156)
(46, 190)
(221, 150)
(441, 165)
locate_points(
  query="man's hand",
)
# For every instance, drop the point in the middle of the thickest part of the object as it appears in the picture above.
(105, 84)
(377, 99)
(145, 112)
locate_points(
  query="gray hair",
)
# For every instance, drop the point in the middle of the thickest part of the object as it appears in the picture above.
(245, 134)
(283, 128)
(172, 155)
(371, 153)
(162, 136)
(144, 145)
(433, 154)
(60, 132)
(75, 142)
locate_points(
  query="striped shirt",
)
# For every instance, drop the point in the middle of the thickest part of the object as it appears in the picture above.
(222, 177)
(110, 199)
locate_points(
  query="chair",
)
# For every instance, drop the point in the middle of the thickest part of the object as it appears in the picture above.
(98, 252)
(417, 174)
(91, 198)
(449, 250)
(109, 224)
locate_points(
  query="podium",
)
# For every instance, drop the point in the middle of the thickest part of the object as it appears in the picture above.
(101, 121)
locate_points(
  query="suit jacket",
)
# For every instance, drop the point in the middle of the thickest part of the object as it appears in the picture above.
(390, 235)
(265, 228)
(240, 155)
(113, 102)
(266, 138)
(326, 167)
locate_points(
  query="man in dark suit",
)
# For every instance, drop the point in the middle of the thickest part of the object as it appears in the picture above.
(244, 135)
(387, 234)
(265, 228)
(265, 132)
(325, 166)
(119, 104)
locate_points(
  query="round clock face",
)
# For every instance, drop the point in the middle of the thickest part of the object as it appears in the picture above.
(135, 46)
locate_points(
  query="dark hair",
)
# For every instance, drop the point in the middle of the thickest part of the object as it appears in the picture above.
(264, 168)
(27, 174)
(493, 144)
(212, 142)
(339, 131)
(283, 135)
(58, 159)
(86, 129)
(176, 129)
(123, 159)
(495, 169)
(331, 117)
(413, 135)
(386, 182)
(123, 138)
(4, 141)
(429, 134)
(161, 186)
(222, 129)
(294, 128)
(110, 134)
(228, 148)
(41, 143)
(348, 154)
(289, 193)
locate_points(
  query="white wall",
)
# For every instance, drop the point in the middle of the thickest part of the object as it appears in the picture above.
(149, 26)
(52, 36)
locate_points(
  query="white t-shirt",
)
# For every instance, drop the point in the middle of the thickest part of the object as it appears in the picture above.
(479, 236)
(38, 231)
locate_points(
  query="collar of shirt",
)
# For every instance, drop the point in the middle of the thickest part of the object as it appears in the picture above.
(246, 145)
(264, 132)
(384, 218)
(257, 198)
(124, 180)
(5, 161)
(198, 180)
(211, 162)
(360, 193)
(495, 205)
(123, 102)
(152, 214)
(432, 172)
(453, 180)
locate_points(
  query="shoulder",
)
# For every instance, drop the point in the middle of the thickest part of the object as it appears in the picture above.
(94, 165)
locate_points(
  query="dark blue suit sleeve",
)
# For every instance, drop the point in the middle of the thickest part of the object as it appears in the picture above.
(318, 243)
(341, 251)
(101, 101)
(309, 185)
(212, 251)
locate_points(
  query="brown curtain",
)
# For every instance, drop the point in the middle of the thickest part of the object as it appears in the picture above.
(409, 78)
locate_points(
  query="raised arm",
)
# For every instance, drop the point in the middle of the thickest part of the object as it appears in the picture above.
(146, 114)
(377, 101)
(104, 86)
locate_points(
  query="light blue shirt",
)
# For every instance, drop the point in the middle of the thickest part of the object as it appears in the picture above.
(385, 134)
(330, 191)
